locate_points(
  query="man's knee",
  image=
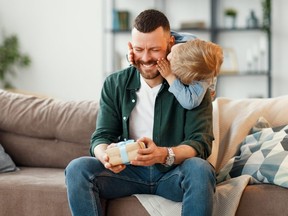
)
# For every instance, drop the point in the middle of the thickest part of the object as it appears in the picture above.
(82, 166)
(197, 165)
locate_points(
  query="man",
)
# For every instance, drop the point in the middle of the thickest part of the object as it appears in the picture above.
(136, 104)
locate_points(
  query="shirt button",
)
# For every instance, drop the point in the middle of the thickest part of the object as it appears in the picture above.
(124, 118)
(133, 100)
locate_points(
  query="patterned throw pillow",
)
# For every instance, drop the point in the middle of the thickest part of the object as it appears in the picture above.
(259, 125)
(6, 163)
(263, 155)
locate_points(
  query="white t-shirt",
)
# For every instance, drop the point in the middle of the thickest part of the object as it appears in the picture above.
(142, 116)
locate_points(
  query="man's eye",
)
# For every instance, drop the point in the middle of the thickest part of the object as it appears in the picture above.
(155, 50)
(137, 50)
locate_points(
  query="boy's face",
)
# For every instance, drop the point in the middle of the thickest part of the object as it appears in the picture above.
(148, 48)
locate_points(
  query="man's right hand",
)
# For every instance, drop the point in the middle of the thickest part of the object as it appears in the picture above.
(115, 169)
(100, 153)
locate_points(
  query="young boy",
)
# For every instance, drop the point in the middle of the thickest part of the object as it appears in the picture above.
(190, 69)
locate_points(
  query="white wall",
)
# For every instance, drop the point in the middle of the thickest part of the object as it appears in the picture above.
(280, 47)
(64, 39)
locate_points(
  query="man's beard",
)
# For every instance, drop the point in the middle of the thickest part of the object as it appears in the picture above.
(147, 73)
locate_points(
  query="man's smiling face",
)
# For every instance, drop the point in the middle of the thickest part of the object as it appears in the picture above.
(148, 48)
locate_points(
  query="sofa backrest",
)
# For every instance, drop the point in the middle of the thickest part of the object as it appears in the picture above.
(45, 132)
(233, 119)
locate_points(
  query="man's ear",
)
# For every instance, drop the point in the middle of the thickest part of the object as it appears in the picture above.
(172, 40)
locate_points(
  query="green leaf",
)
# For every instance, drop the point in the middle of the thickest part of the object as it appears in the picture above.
(11, 58)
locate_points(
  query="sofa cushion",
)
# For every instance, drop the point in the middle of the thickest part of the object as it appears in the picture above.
(129, 205)
(70, 121)
(45, 132)
(263, 155)
(34, 192)
(6, 163)
(37, 152)
(263, 199)
(233, 120)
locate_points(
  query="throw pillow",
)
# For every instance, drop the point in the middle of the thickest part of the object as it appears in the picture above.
(263, 155)
(6, 163)
(259, 125)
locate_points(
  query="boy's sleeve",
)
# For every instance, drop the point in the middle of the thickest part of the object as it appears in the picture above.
(182, 37)
(189, 96)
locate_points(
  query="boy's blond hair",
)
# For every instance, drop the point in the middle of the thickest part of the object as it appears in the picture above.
(196, 60)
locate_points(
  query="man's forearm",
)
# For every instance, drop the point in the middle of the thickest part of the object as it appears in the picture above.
(183, 152)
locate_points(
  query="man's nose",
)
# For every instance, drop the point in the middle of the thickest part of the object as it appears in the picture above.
(146, 56)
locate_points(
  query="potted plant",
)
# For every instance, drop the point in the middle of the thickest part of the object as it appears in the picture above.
(10, 59)
(266, 8)
(230, 17)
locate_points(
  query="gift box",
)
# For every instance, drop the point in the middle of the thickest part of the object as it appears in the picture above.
(124, 152)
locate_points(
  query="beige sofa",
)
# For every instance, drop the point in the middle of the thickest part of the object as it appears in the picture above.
(42, 135)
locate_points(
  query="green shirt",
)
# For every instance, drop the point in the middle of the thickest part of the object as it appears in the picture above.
(173, 125)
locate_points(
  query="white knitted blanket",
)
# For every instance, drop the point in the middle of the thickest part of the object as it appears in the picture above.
(226, 200)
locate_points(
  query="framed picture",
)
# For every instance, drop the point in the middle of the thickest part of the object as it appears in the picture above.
(121, 20)
(230, 64)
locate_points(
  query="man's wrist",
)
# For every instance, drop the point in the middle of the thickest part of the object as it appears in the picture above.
(164, 155)
(170, 158)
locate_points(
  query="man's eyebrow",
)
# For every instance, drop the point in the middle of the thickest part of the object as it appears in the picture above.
(155, 47)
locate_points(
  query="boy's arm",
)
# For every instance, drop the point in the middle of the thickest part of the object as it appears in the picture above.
(189, 96)
(163, 66)
(182, 37)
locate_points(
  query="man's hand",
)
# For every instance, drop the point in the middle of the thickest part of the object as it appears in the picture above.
(115, 169)
(163, 66)
(150, 155)
(100, 153)
(154, 154)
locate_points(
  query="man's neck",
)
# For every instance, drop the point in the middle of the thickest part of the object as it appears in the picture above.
(154, 82)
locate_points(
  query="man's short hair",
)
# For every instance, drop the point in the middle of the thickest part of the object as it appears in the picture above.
(151, 19)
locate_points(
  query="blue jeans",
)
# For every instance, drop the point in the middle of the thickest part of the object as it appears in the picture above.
(192, 182)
